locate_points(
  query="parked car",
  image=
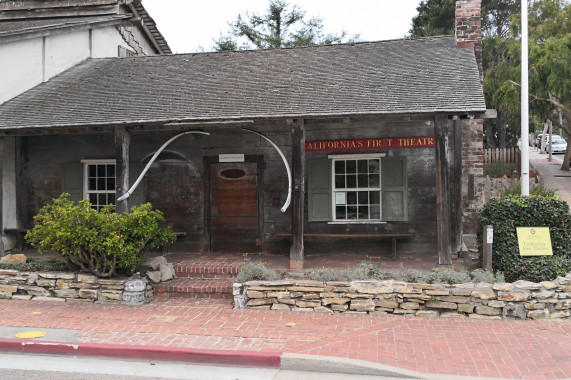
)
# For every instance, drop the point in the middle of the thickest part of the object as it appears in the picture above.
(538, 139)
(559, 145)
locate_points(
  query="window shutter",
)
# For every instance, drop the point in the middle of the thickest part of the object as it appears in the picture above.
(394, 189)
(137, 198)
(319, 190)
(72, 181)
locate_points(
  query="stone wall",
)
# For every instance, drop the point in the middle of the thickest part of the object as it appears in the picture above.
(519, 300)
(63, 286)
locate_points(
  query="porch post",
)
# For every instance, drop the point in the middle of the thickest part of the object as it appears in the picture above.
(122, 141)
(442, 190)
(298, 171)
(1, 196)
(456, 196)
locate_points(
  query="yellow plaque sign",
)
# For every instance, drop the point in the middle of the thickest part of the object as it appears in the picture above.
(534, 241)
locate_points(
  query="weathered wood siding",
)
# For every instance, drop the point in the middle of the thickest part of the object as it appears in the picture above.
(176, 182)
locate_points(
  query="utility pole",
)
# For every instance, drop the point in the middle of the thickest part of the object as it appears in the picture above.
(524, 101)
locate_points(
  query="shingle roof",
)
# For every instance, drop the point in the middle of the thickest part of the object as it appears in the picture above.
(429, 75)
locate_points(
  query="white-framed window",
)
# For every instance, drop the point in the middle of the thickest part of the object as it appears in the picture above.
(357, 188)
(356, 185)
(99, 182)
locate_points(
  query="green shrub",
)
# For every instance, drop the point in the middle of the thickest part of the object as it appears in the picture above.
(507, 213)
(539, 190)
(98, 242)
(251, 271)
(35, 265)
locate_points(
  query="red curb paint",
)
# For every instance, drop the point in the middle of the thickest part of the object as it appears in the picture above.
(188, 355)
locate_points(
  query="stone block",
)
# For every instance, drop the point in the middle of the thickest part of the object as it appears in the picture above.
(36, 291)
(362, 305)
(454, 299)
(8, 289)
(111, 295)
(439, 292)
(277, 306)
(542, 294)
(407, 290)
(466, 308)
(340, 289)
(17, 258)
(134, 298)
(87, 278)
(304, 304)
(287, 301)
(57, 275)
(496, 303)
(322, 309)
(154, 276)
(44, 298)
(167, 271)
(24, 297)
(527, 285)
(461, 291)
(335, 300)
(240, 301)
(503, 286)
(66, 293)
(538, 314)
(482, 316)
(310, 296)
(255, 294)
(263, 307)
(309, 283)
(404, 311)
(341, 308)
(91, 294)
(306, 289)
(548, 285)
(135, 286)
(514, 296)
(442, 305)
(259, 301)
(452, 315)
(270, 283)
(409, 306)
(9, 272)
(484, 293)
(341, 284)
(427, 314)
(514, 311)
(486, 310)
(277, 294)
(303, 309)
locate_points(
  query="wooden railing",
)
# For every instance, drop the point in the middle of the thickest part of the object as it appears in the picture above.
(505, 155)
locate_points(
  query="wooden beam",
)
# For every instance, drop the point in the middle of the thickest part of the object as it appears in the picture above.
(296, 253)
(456, 189)
(122, 141)
(442, 189)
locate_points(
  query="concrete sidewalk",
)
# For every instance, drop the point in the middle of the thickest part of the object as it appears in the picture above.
(385, 344)
(551, 174)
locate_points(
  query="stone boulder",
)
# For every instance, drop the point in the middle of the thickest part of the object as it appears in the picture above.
(159, 264)
(17, 258)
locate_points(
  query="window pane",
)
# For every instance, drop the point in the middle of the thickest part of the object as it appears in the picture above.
(362, 166)
(351, 181)
(92, 169)
(111, 198)
(374, 166)
(351, 212)
(110, 170)
(363, 212)
(93, 199)
(110, 183)
(374, 180)
(100, 184)
(363, 180)
(102, 198)
(340, 181)
(340, 212)
(339, 167)
(351, 166)
(375, 212)
(363, 197)
(351, 197)
(101, 170)
(92, 185)
(375, 197)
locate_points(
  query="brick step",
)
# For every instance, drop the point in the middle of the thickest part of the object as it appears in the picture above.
(195, 288)
(207, 270)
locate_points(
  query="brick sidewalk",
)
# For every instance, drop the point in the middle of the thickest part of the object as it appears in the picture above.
(484, 348)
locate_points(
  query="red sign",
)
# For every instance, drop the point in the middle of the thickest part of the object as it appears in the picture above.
(362, 144)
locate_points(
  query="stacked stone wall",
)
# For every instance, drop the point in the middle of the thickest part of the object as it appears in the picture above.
(63, 286)
(519, 300)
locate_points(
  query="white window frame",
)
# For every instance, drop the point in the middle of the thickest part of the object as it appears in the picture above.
(344, 157)
(86, 190)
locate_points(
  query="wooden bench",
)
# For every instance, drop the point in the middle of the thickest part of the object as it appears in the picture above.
(394, 238)
(20, 233)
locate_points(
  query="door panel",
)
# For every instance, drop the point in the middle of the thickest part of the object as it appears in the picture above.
(233, 207)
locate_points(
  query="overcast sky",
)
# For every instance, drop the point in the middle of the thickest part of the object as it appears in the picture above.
(192, 25)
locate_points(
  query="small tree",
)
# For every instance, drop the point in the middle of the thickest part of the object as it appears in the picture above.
(279, 27)
(98, 242)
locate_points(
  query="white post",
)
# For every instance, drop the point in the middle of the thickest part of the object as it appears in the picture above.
(524, 101)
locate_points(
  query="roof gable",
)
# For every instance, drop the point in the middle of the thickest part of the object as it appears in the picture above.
(429, 75)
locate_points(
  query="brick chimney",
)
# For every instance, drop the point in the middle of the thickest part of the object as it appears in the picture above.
(469, 28)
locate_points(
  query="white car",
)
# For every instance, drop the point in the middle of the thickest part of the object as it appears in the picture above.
(559, 145)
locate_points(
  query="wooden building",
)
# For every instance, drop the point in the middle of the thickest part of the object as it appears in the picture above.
(380, 139)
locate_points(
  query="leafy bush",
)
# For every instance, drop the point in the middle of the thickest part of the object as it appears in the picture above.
(507, 213)
(98, 242)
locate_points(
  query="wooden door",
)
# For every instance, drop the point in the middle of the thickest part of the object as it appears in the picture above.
(234, 207)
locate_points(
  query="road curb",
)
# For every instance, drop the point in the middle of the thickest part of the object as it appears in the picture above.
(170, 354)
